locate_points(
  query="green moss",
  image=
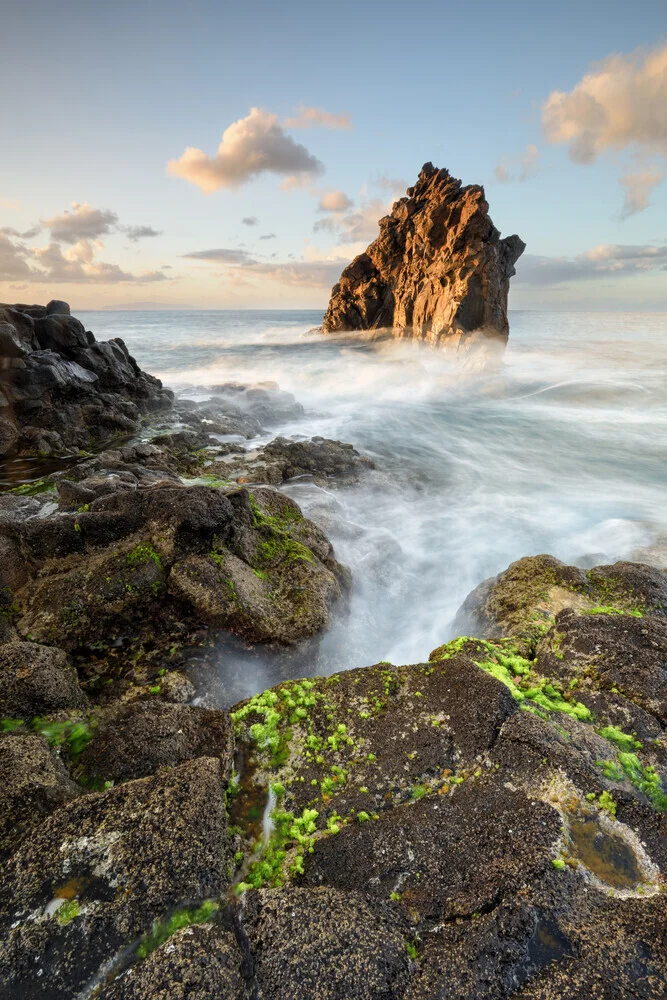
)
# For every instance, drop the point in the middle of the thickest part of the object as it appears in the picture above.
(419, 791)
(362, 817)
(622, 740)
(278, 544)
(610, 769)
(558, 863)
(610, 609)
(411, 950)
(141, 554)
(73, 735)
(33, 489)
(607, 802)
(643, 776)
(11, 725)
(176, 922)
(67, 911)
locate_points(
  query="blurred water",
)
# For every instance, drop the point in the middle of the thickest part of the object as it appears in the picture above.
(562, 450)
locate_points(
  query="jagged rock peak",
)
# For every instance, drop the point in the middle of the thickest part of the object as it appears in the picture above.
(438, 270)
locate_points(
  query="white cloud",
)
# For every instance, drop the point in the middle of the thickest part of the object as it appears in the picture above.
(317, 118)
(638, 189)
(250, 220)
(526, 162)
(620, 104)
(254, 145)
(268, 236)
(334, 201)
(605, 260)
(82, 223)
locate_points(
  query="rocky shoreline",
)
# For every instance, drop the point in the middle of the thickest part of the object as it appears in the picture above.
(490, 823)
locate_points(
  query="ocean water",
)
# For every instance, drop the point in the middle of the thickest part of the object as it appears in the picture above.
(559, 450)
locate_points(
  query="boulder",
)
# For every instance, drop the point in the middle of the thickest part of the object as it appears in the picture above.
(65, 390)
(96, 874)
(137, 739)
(438, 270)
(36, 680)
(524, 600)
(33, 782)
(140, 558)
(324, 945)
(199, 963)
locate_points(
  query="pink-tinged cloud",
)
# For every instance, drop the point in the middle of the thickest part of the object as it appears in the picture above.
(250, 147)
(620, 104)
(334, 201)
(317, 118)
(638, 188)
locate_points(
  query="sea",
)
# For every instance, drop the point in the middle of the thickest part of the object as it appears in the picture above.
(559, 449)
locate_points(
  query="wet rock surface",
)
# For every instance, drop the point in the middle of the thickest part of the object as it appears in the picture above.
(438, 270)
(491, 823)
(60, 389)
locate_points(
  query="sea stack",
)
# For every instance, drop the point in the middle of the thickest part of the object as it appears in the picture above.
(438, 271)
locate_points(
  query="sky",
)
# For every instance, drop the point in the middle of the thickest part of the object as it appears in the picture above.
(215, 154)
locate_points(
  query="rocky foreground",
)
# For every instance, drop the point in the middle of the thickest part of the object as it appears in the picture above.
(490, 823)
(438, 271)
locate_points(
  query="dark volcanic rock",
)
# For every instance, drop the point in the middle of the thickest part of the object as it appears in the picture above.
(438, 270)
(430, 852)
(36, 679)
(60, 390)
(324, 945)
(121, 859)
(527, 596)
(142, 557)
(33, 782)
(200, 963)
(611, 652)
(137, 739)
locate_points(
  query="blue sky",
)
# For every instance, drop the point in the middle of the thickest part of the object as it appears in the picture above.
(104, 96)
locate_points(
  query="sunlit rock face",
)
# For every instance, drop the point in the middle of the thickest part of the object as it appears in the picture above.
(438, 271)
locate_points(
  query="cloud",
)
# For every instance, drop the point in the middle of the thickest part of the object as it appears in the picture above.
(605, 260)
(268, 236)
(320, 273)
(28, 234)
(638, 189)
(527, 163)
(135, 233)
(12, 263)
(317, 118)
(334, 201)
(621, 103)
(395, 186)
(82, 223)
(250, 220)
(222, 256)
(360, 223)
(53, 265)
(251, 146)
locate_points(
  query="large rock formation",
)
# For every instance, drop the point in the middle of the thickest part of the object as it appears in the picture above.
(61, 390)
(438, 270)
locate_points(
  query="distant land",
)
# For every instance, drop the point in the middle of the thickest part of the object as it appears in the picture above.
(134, 306)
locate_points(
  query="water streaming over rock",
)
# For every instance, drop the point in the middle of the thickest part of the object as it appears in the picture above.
(560, 450)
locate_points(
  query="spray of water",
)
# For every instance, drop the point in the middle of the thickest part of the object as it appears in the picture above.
(560, 450)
